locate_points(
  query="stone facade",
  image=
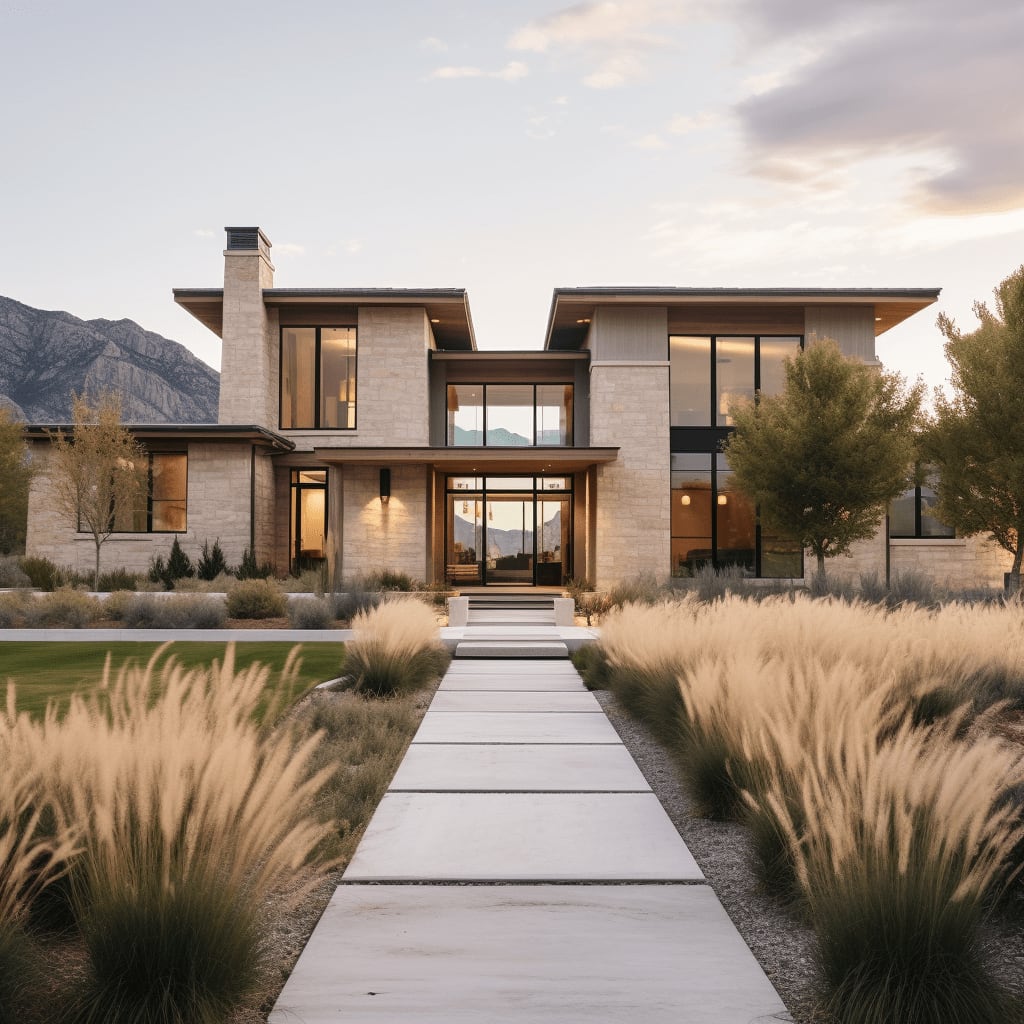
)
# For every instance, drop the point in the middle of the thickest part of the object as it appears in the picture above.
(629, 409)
(376, 535)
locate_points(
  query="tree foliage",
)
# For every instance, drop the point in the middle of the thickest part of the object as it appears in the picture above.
(976, 439)
(98, 472)
(824, 458)
(15, 476)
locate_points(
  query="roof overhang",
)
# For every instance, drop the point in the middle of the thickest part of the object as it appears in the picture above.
(446, 308)
(474, 460)
(572, 309)
(224, 433)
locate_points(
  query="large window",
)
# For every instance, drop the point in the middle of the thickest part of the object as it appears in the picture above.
(510, 415)
(308, 518)
(164, 506)
(713, 525)
(910, 515)
(707, 374)
(318, 378)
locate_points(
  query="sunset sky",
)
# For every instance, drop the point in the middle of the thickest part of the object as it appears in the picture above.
(510, 148)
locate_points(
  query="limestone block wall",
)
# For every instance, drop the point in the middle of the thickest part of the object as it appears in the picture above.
(392, 385)
(250, 363)
(630, 410)
(268, 526)
(218, 508)
(377, 536)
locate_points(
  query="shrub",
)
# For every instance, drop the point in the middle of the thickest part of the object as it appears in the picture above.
(117, 579)
(391, 580)
(158, 572)
(212, 562)
(309, 581)
(63, 608)
(44, 574)
(194, 816)
(250, 570)
(256, 599)
(146, 611)
(12, 574)
(179, 565)
(642, 589)
(12, 609)
(311, 613)
(355, 599)
(396, 648)
(592, 666)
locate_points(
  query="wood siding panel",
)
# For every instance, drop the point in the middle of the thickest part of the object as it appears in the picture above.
(629, 334)
(736, 320)
(852, 326)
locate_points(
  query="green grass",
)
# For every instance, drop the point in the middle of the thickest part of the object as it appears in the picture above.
(46, 670)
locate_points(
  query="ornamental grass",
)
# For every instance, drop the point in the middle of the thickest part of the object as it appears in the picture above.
(192, 817)
(395, 649)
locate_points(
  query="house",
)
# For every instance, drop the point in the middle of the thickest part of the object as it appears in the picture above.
(362, 428)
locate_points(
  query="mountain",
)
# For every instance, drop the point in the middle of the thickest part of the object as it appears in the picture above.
(45, 356)
(509, 542)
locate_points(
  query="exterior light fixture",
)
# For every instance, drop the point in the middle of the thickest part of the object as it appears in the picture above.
(385, 486)
(685, 499)
(723, 499)
(435, 320)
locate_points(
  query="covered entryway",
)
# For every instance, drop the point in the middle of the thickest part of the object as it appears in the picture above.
(508, 530)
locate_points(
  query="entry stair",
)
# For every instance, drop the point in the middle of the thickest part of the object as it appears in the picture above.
(512, 626)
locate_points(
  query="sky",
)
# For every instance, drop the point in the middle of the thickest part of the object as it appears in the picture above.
(511, 148)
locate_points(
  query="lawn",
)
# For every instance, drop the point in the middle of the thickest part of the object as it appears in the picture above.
(48, 669)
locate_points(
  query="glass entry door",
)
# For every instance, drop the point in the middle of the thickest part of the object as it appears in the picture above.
(508, 531)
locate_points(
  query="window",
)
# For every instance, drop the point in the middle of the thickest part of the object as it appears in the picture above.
(308, 507)
(910, 515)
(165, 505)
(318, 378)
(706, 374)
(510, 415)
(713, 525)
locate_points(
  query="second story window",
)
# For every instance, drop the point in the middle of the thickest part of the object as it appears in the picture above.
(318, 378)
(910, 515)
(510, 415)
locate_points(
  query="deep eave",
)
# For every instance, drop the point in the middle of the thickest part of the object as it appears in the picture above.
(223, 432)
(474, 460)
(573, 308)
(446, 308)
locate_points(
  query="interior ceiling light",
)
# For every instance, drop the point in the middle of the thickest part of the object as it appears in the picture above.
(434, 320)
(584, 320)
(685, 499)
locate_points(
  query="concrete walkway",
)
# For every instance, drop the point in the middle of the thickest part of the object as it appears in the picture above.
(519, 869)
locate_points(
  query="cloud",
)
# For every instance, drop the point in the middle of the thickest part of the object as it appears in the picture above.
(289, 249)
(614, 38)
(935, 84)
(511, 72)
(651, 141)
(433, 45)
(685, 124)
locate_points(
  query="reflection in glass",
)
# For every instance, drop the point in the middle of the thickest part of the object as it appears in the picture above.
(298, 377)
(308, 518)
(903, 515)
(736, 523)
(170, 492)
(734, 375)
(466, 414)
(338, 377)
(690, 381)
(774, 352)
(930, 526)
(554, 414)
(510, 415)
(691, 513)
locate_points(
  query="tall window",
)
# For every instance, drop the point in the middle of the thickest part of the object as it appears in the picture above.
(910, 515)
(308, 518)
(318, 378)
(707, 374)
(510, 415)
(164, 506)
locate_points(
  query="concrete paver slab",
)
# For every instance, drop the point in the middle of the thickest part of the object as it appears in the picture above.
(526, 767)
(527, 955)
(502, 666)
(512, 649)
(514, 727)
(491, 837)
(502, 700)
(521, 681)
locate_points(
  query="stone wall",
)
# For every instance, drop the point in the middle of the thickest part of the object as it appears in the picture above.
(629, 409)
(378, 536)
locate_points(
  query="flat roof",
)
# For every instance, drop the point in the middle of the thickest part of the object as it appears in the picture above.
(447, 308)
(180, 431)
(572, 308)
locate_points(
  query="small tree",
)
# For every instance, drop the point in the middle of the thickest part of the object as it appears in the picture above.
(212, 561)
(98, 472)
(824, 458)
(976, 439)
(15, 476)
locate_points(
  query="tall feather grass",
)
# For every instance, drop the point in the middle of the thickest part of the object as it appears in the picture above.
(192, 816)
(396, 648)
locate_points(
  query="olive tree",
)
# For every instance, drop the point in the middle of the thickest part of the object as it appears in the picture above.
(98, 471)
(976, 438)
(15, 476)
(823, 459)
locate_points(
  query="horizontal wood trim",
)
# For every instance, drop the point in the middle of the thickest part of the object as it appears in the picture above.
(736, 320)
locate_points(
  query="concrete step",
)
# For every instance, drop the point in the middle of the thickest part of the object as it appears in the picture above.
(511, 649)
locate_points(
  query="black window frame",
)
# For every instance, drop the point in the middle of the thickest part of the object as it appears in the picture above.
(149, 501)
(317, 358)
(295, 488)
(919, 517)
(483, 385)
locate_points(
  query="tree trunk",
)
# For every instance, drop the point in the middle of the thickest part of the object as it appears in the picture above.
(96, 575)
(821, 565)
(1013, 580)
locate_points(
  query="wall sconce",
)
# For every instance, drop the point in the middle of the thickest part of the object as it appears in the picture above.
(385, 486)
(685, 499)
(723, 499)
